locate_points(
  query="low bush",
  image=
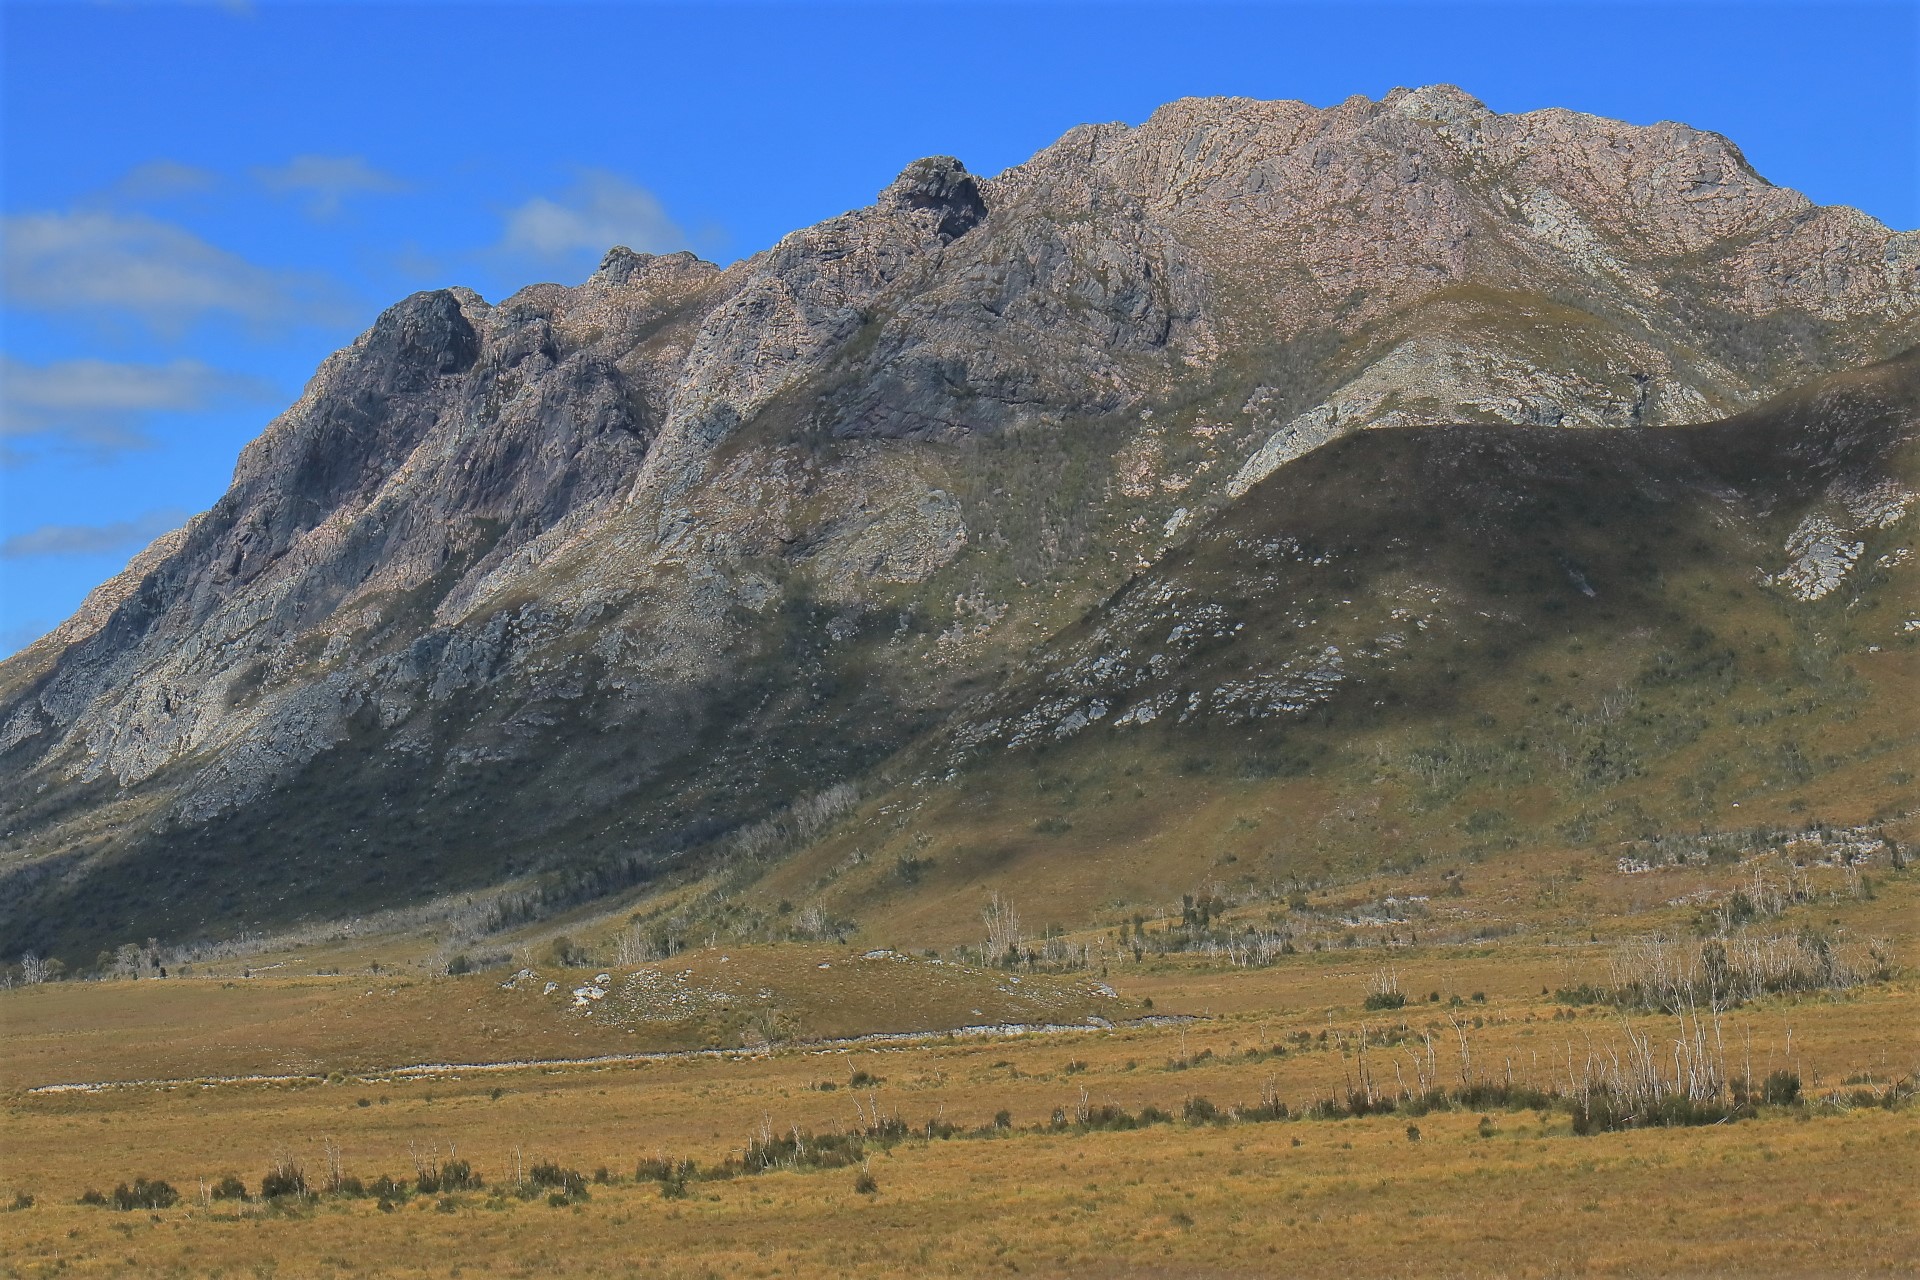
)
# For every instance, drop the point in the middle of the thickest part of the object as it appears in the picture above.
(389, 1189)
(1199, 1110)
(1106, 1117)
(1266, 1111)
(144, 1195)
(672, 1175)
(564, 1185)
(458, 1175)
(284, 1179)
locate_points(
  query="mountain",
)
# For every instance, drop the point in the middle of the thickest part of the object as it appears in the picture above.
(571, 587)
(1423, 648)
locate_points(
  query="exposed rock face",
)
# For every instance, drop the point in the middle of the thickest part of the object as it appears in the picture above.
(607, 570)
(1485, 539)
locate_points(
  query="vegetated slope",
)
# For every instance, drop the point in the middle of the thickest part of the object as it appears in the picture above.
(1418, 647)
(582, 580)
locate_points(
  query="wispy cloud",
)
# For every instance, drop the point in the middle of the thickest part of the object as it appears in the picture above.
(326, 181)
(93, 539)
(102, 261)
(164, 180)
(101, 406)
(598, 211)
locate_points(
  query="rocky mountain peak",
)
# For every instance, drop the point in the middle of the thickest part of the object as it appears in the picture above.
(940, 184)
(623, 266)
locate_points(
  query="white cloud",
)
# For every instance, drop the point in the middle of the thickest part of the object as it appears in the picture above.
(327, 181)
(100, 405)
(92, 539)
(598, 212)
(95, 260)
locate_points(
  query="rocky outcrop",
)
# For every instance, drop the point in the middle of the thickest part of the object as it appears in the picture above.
(598, 572)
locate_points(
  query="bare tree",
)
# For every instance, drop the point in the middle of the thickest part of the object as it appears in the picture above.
(1003, 927)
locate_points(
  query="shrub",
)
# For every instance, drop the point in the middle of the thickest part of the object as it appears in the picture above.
(284, 1179)
(1003, 1120)
(1267, 1110)
(1385, 1000)
(863, 1080)
(387, 1189)
(1106, 1116)
(145, 1195)
(229, 1188)
(21, 1200)
(454, 1175)
(865, 1184)
(459, 965)
(275, 1185)
(660, 1169)
(566, 1184)
(672, 1175)
(1413, 1133)
(1781, 1089)
(92, 1196)
(1198, 1110)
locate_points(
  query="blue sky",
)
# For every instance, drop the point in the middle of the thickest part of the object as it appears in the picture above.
(203, 200)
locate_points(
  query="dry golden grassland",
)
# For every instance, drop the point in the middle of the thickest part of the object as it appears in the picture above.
(1803, 1190)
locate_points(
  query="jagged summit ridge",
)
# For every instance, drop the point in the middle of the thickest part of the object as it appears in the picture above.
(626, 554)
